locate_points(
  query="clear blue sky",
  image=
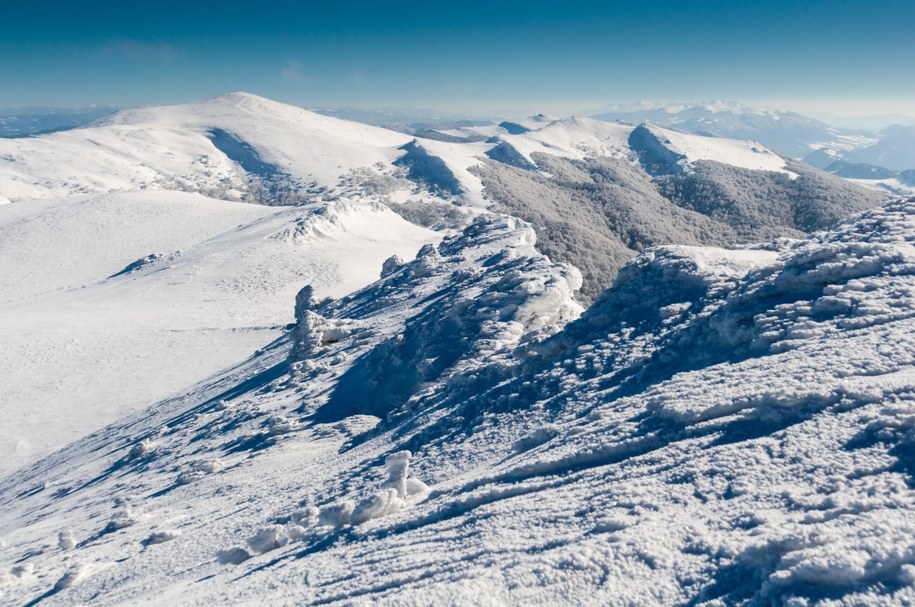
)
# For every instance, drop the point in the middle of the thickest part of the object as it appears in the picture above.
(463, 56)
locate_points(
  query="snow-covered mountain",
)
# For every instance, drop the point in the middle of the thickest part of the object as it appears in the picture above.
(788, 132)
(601, 201)
(723, 426)
(889, 149)
(901, 183)
(895, 149)
(243, 147)
(224, 383)
(817, 143)
(115, 238)
(213, 147)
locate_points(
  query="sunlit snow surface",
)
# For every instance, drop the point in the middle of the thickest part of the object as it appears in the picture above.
(111, 302)
(720, 427)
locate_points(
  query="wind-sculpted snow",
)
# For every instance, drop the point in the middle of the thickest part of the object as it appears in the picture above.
(720, 427)
(459, 311)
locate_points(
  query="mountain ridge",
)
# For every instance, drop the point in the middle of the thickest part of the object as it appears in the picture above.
(604, 451)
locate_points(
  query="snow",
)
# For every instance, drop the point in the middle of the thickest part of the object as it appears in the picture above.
(209, 401)
(720, 427)
(744, 154)
(891, 186)
(85, 343)
(573, 138)
(459, 158)
(172, 147)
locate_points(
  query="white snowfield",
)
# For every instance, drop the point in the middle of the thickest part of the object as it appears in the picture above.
(744, 154)
(173, 147)
(720, 427)
(111, 302)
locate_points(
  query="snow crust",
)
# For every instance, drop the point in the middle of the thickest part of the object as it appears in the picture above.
(720, 427)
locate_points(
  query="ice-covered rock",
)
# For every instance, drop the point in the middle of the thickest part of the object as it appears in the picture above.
(464, 308)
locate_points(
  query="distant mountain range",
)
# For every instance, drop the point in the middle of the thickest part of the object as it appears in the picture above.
(815, 142)
(24, 122)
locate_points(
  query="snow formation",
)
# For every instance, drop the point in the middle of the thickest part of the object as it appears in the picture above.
(722, 426)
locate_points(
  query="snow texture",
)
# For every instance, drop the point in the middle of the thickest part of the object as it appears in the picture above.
(722, 426)
(315, 400)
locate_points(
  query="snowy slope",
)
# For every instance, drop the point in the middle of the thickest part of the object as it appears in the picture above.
(113, 198)
(582, 137)
(109, 303)
(721, 427)
(178, 147)
(571, 138)
(738, 153)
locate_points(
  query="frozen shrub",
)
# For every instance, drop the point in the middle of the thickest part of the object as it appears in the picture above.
(199, 469)
(305, 517)
(160, 537)
(122, 519)
(416, 488)
(281, 425)
(391, 265)
(140, 449)
(233, 556)
(398, 465)
(304, 301)
(71, 577)
(295, 532)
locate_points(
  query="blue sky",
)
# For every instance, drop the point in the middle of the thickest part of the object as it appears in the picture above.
(463, 56)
